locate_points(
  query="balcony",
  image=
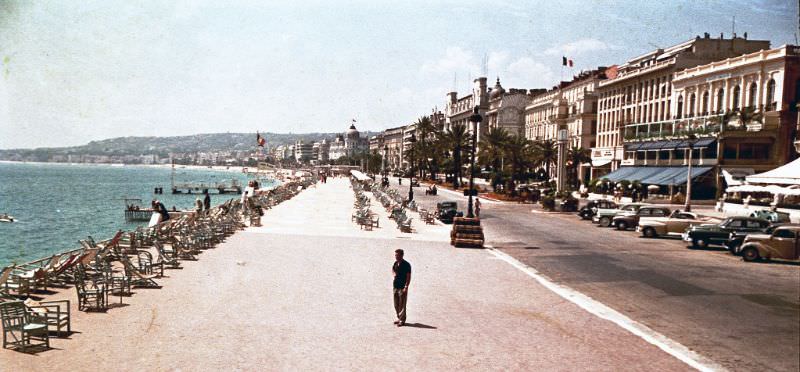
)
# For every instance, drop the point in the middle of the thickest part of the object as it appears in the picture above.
(701, 126)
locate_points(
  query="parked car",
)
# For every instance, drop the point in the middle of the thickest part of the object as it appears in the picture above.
(771, 216)
(675, 224)
(783, 243)
(605, 216)
(702, 236)
(734, 242)
(588, 211)
(626, 220)
(447, 210)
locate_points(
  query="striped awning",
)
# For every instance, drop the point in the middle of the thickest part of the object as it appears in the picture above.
(664, 176)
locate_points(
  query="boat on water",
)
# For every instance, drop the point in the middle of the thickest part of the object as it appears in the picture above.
(5, 217)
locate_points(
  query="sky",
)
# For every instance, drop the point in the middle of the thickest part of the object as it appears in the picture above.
(76, 71)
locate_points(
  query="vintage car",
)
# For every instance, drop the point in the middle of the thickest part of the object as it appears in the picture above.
(734, 242)
(604, 216)
(587, 211)
(702, 236)
(771, 216)
(447, 210)
(626, 220)
(783, 243)
(676, 224)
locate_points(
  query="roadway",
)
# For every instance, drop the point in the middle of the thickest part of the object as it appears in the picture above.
(743, 316)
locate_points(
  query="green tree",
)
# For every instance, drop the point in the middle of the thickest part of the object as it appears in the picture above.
(749, 115)
(520, 153)
(457, 139)
(575, 157)
(545, 153)
(426, 133)
(492, 150)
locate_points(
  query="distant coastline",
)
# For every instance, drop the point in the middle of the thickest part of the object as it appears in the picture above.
(232, 168)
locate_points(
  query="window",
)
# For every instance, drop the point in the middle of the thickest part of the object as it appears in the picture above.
(736, 93)
(720, 100)
(705, 104)
(644, 212)
(690, 111)
(663, 155)
(755, 151)
(651, 155)
(679, 154)
(771, 95)
(753, 224)
(751, 100)
(729, 151)
(735, 223)
(640, 155)
(658, 212)
(680, 107)
(784, 233)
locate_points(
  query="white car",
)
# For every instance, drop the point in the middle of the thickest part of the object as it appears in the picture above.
(675, 224)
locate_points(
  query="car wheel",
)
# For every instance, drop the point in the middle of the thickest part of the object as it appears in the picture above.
(649, 232)
(699, 243)
(605, 221)
(622, 225)
(750, 254)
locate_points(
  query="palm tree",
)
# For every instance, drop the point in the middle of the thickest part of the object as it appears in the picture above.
(546, 153)
(425, 130)
(457, 139)
(575, 157)
(723, 119)
(520, 155)
(492, 149)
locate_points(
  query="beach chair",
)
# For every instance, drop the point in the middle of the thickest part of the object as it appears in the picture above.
(5, 274)
(20, 327)
(138, 278)
(148, 266)
(167, 259)
(55, 314)
(92, 297)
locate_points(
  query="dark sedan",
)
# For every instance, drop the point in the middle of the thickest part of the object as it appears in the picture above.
(447, 210)
(702, 236)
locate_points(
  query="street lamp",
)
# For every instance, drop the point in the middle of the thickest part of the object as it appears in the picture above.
(475, 118)
(411, 140)
(383, 159)
(688, 206)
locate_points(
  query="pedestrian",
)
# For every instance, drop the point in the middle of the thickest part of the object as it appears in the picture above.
(477, 207)
(207, 201)
(159, 207)
(198, 205)
(402, 278)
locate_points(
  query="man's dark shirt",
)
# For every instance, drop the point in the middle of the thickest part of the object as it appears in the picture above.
(162, 210)
(401, 270)
(207, 202)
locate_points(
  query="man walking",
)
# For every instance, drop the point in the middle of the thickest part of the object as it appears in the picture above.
(207, 202)
(402, 278)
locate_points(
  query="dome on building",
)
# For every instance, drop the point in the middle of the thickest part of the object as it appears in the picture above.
(353, 132)
(498, 90)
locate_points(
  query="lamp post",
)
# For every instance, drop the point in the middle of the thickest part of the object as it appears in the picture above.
(411, 140)
(562, 156)
(383, 159)
(475, 119)
(688, 206)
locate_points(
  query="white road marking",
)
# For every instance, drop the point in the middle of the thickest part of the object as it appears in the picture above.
(597, 308)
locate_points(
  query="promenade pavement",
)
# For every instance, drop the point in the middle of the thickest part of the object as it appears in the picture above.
(310, 291)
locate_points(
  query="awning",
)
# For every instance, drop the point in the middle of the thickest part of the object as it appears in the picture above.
(655, 175)
(698, 144)
(600, 163)
(633, 146)
(359, 176)
(789, 174)
(655, 145)
(772, 189)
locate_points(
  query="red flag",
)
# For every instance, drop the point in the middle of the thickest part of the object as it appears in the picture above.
(261, 140)
(570, 63)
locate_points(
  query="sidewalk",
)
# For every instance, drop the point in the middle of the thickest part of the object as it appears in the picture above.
(310, 291)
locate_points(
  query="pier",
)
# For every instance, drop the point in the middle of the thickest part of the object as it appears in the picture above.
(234, 187)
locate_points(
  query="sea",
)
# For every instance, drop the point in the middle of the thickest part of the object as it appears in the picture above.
(55, 204)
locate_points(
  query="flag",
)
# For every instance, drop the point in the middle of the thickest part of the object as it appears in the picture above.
(563, 61)
(569, 61)
(261, 140)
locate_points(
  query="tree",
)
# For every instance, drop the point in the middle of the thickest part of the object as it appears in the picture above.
(457, 138)
(426, 132)
(749, 115)
(545, 153)
(520, 155)
(492, 149)
(575, 157)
